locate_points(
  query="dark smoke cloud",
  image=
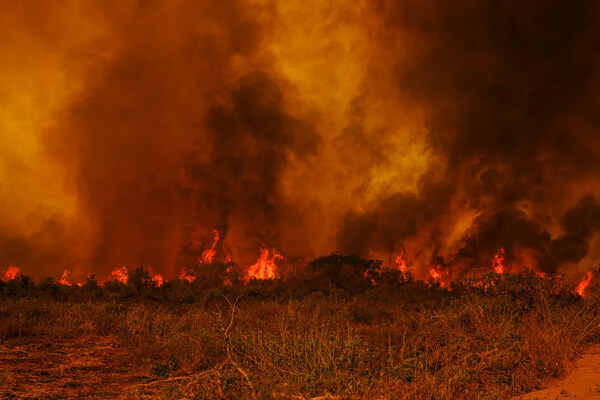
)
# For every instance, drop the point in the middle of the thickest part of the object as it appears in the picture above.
(447, 129)
(578, 224)
(252, 142)
(511, 105)
(169, 141)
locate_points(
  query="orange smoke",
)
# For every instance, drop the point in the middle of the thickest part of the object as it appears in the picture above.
(123, 144)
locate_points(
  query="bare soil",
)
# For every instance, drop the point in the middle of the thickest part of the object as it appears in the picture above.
(90, 367)
(582, 382)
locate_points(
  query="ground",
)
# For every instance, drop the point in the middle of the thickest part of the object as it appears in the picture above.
(98, 367)
(491, 337)
(89, 367)
(582, 382)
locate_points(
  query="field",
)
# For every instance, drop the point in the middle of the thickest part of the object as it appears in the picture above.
(487, 336)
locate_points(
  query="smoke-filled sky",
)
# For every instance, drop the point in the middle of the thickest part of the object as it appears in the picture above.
(130, 129)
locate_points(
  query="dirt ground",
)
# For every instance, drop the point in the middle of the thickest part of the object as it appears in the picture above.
(95, 367)
(83, 368)
(582, 382)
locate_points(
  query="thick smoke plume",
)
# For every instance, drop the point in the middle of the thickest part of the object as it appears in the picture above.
(130, 130)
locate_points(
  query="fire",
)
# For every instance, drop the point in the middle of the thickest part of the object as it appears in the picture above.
(265, 267)
(498, 262)
(585, 281)
(119, 274)
(156, 278)
(208, 256)
(186, 275)
(10, 273)
(227, 275)
(401, 263)
(435, 273)
(63, 279)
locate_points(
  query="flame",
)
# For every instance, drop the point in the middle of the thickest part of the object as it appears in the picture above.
(186, 275)
(498, 262)
(265, 267)
(436, 273)
(10, 273)
(227, 275)
(118, 274)
(585, 281)
(401, 263)
(208, 256)
(156, 278)
(368, 274)
(63, 279)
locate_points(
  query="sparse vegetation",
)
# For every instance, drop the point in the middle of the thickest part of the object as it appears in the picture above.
(490, 337)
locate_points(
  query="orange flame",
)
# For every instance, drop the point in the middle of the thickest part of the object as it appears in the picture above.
(401, 263)
(265, 267)
(208, 256)
(10, 273)
(119, 274)
(436, 273)
(498, 262)
(156, 278)
(227, 275)
(186, 275)
(585, 281)
(63, 279)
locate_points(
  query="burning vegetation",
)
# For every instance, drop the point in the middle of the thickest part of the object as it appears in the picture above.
(305, 331)
(271, 263)
(445, 155)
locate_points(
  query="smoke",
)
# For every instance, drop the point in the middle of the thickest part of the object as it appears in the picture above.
(510, 107)
(443, 130)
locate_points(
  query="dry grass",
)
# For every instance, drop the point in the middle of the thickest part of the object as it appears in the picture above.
(405, 341)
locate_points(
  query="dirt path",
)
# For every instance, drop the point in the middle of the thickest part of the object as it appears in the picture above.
(583, 382)
(80, 368)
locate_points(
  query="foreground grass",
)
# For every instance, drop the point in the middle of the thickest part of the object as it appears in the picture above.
(489, 340)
